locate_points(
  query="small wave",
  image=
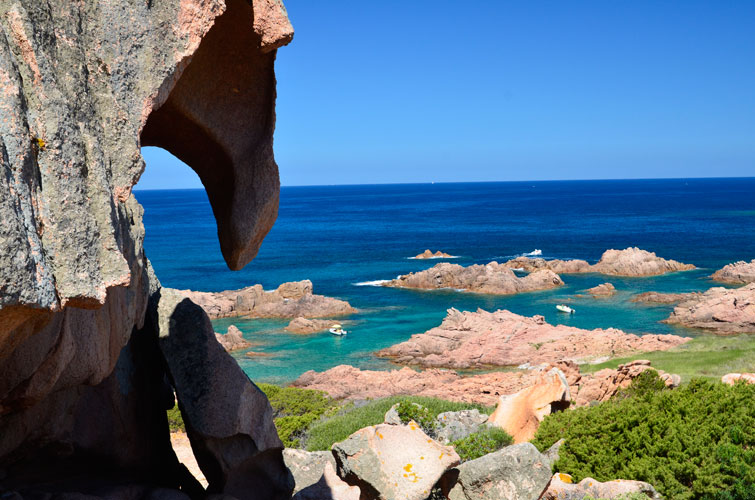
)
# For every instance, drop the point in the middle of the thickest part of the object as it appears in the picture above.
(371, 283)
(536, 251)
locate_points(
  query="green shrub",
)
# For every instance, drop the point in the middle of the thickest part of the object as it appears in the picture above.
(294, 410)
(408, 411)
(740, 491)
(644, 386)
(175, 420)
(324, 433)
(481, 443)
(692, 442)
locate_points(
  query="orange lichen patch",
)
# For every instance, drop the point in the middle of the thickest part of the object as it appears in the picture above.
(421, 458)
(408, 468)
(379, 435)
(566, 478)
(413, 426)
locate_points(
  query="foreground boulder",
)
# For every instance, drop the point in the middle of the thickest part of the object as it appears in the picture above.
(483, 339)
(233, 340)
(307, 467)
(393, 462)
(289, 300)
(738, 273)
(229, 421)
(722, 311)
(561, 487)
(520, 414)
(455, 425)
(627, 262)
(491, 278)
(517, 472)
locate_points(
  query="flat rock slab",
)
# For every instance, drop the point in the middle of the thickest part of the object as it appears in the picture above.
(393, 462)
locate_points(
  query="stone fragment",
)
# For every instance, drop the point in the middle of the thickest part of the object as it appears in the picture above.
(520, 414)
(393, 462)
(517, 472)
(229, 421)
(561, 487)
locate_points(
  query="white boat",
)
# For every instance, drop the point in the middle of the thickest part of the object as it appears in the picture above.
(337, 330)
(565, 309)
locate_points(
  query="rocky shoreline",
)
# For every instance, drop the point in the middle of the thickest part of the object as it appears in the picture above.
(483, 339)
(289, 300)
(737, 273)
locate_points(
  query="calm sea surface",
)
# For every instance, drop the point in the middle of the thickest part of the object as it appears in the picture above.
(341, 237)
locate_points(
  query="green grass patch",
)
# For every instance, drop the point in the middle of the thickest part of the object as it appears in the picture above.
(295, 410)
(481, 443)
(324, 433)
(708, 357)
(693, 442)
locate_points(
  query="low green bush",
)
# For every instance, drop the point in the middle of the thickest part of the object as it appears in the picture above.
(324, 433)
(692, 442)
(408, 411)
(294, 410)
(481, 443)
(175, 420)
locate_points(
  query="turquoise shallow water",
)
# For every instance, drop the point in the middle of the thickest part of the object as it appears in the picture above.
(339, 236)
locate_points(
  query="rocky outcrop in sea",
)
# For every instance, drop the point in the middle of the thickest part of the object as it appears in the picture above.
(602, 290)
(492, 278)
(289, 300)
(92, 349)
(429, 254)
(723, 311)
(628, 262)
(484, 339)
(738, 273)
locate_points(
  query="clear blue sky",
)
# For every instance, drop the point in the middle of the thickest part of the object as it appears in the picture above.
(419, 91)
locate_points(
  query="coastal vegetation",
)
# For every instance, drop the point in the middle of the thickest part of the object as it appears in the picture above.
(488, 440)
(353, 417)
(695, 441)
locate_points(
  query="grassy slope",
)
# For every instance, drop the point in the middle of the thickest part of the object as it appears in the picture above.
(709, 357)
(323, 434)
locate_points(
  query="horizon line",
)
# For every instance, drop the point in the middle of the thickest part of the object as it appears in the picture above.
(471, 182)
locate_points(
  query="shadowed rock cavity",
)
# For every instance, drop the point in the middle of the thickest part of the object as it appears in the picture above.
(219, 119)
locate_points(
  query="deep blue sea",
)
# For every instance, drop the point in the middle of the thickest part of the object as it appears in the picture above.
(343, 236)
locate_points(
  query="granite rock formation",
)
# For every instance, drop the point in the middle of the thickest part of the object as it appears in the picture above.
(603, 290)
(428, 254)
(562, 487)
(738, 273)
(627, 262)
(733, 378)
(520, 414)
(232, 340)
(84, 382)
(306, 326)
(289, 300)
(492, 278)
(664, 298)
(483, 339)
(722, 311)
(349, 383)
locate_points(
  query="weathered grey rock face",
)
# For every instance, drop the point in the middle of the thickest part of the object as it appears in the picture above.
(229, 421)
(83, 86)
(307, 467)
(455, 425)
(517, 472)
